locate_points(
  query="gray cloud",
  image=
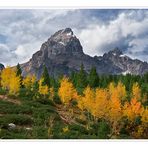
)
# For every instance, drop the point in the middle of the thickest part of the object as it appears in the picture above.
(23, 31)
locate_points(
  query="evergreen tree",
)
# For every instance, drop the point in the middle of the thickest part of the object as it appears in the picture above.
(19, 73)
(18, 70)
(46, 77)
(73, 78)
(93, 78)
(81, 78)
(54, 83)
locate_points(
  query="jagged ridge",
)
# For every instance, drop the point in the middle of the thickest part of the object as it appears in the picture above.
(63, 53)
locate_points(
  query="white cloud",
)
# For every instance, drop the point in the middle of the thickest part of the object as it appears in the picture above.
(125, 31)
(6, 54)
(26, 30)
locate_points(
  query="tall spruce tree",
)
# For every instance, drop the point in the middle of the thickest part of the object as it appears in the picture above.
(19, 73)
(46, 77)
(18, 70)
(73, 77)
(81, 78)
(93, 78)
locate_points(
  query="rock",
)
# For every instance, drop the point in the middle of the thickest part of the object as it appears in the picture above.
(28, 128)
(11, 126)
(62, 53)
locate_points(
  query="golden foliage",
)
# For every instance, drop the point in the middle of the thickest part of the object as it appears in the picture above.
(133, 109)
(118, 90)
(121, 91)
(67, 92)
(144, 117)
(136, 91)
(28, 81)
(115, 113)
(51, 90)
(65, 129)
(87, 100)
(101, 108)
(43, 89)
(10, 81)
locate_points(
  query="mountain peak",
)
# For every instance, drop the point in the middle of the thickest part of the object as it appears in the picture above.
(64, 33)
(67, 31)
(115, 51)
(62, 53)
(62, 42)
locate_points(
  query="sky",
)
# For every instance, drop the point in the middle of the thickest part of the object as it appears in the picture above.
(22, 31)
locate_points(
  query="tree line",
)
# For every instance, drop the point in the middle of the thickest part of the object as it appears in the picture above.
(119, 100)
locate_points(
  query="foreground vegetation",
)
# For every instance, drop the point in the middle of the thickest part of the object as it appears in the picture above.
(81, 106)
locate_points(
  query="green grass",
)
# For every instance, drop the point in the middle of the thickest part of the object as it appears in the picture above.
(30, 113)
(35, 113)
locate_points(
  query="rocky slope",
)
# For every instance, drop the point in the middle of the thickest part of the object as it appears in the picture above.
(63, 53)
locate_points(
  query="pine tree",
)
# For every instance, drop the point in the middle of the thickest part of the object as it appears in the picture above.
(73, 77)
(46, 77)
(81, 79)
(18, 70)
(19, 73)
(93, 78)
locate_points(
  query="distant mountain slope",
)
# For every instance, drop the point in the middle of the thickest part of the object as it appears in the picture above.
(63, 53)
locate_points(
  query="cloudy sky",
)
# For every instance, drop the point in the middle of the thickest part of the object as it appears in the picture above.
(23, 31)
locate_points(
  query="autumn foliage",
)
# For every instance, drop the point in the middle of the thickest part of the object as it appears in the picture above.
(67, 92)
(110, 104)
(43, 89)
(10, 80)
(119, 107)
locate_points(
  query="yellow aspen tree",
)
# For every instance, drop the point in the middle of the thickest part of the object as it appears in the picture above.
(144, 118)
(51, 90)
(115, 109)
(115, 102)
(67, 92)
(136, 91)
(0, 79)
(87, 100)
(121, 91)
(28, 81)
(10, 81)
(133, 109)
(43, 89)
(111, 88)
(142, 129)
(101, 105)
(14, 86)
(115, 112)
(6, 75)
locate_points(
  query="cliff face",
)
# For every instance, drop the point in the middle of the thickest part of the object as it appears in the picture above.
(63, 53)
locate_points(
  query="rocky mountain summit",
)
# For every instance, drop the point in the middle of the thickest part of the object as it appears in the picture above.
(62, 53)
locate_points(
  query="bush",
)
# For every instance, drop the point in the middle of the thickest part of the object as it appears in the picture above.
(16, 119)
(40, 132)
(3, 91)
(10, 108)
(57, 100)
(15, 134)
(103, 130)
